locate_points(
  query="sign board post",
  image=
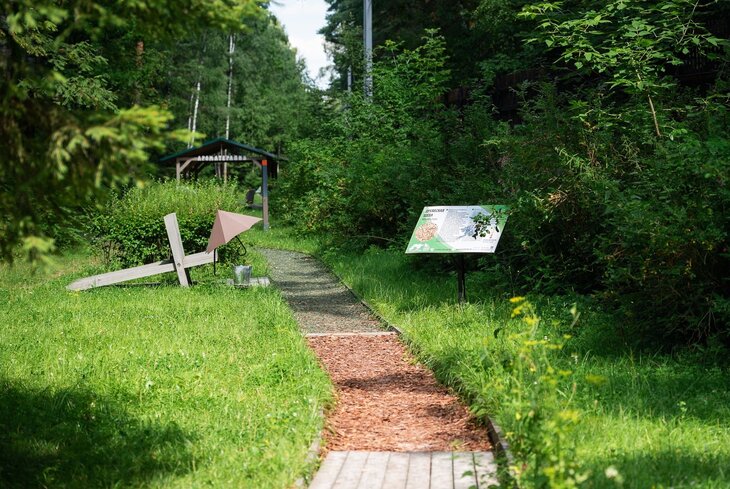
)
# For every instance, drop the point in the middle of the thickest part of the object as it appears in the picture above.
(458, 230)
(461, 280)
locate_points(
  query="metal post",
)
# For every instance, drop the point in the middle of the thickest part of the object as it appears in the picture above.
(461, 280)
(265, 192)
(368, 41)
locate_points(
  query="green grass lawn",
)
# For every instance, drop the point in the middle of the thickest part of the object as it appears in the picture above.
(660, 420)
(152, 386)
(212, 386)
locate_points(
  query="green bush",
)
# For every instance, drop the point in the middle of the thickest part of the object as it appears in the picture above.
(375, 162)
(606, 197)
(608, 209)
(666, 256)
(131, 229)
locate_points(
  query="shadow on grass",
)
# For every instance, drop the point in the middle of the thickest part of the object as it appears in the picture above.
(685, 384)
(662, 469)
(670, 390)
(74, 438)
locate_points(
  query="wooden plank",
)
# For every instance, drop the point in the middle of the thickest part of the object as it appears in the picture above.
(464, 475)
(176, 246)
(197, 259)
(351, 471)
(486, 470)
(122, 275)
(148, 270)
(365, 333)
(396, 473)
(184, 166)
(442, 470)
(374, 473)
(257, 282)
(328, 472)
(419, 470)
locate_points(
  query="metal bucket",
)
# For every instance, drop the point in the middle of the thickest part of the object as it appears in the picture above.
(242, 274)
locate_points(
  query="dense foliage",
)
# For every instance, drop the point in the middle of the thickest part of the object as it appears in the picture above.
(131, 230)
(67, 127)
(92, 95)
(615, 162)
(270, 104)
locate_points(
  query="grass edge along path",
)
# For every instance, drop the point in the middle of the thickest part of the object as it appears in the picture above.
(641, 420)
(152, 386)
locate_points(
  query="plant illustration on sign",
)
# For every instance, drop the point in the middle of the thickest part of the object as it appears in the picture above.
(484, 223)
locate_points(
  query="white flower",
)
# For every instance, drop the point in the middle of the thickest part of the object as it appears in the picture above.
(611, 472)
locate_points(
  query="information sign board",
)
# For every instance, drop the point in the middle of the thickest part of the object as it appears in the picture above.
(458, 229)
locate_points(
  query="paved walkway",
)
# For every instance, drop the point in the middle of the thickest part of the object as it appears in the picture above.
(324, 308)
(406, 470)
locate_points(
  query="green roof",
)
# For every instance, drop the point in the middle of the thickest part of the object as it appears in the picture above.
(215, 146)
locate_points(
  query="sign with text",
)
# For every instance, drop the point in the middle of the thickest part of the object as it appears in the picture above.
(458, 229)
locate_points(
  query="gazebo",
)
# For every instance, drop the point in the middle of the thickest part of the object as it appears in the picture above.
(222, 152)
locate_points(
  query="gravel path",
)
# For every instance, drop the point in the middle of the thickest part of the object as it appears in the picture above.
(321, 304)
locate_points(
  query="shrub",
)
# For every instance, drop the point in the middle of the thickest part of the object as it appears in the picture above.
(535, 398)
(371, 171)
(131, 230)
(666, 254)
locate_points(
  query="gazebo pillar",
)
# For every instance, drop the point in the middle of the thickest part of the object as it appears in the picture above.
(180, 168)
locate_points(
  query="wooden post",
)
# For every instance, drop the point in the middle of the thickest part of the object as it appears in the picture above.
(225, 172)
(265, 192)
(180, 168)
(178, 253)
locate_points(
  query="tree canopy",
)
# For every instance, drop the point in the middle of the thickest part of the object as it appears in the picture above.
(92, 91)
(601, 124)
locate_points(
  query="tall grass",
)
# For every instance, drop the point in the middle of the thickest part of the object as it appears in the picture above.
(151, 386)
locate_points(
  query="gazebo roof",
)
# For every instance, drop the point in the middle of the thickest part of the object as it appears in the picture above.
(216, 146)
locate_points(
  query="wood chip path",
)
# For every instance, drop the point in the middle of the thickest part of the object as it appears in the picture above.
(393, 425)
